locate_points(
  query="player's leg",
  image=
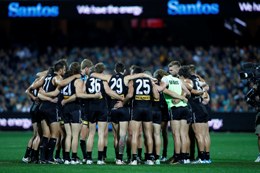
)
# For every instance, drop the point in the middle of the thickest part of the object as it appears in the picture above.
(68, 138)
(185, 141)
(55, 133)
(44, 141)
(90, 142)
(135, 126)
(83, 136)
(199, 133)
(140, 143)
(207, 143)
(148, 129)
(258, 143)
(257, 132)
(175, 127)
(115, 128)
(27, 155)
(36, 143)
(105, 142)
(122, 141)
(76, 127)
(102, 126)
(164, 128)
(157, 141)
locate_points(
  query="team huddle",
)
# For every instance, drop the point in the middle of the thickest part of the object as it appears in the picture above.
(71, 103)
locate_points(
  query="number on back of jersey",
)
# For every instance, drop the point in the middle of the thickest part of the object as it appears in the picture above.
(143, 87)
(95, 85)
(46, 84)
(66, 91)
(197, 84)
(117, 85)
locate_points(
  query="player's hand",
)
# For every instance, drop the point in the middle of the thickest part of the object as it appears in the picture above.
(55, 100)
(184, 99)
(41, 90)
(98, 95)
(119, 104)
(63, 102)
(176, 101)
(77, 76)
(36, 99)
(154, 80)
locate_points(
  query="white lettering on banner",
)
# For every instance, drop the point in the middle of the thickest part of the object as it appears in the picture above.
(25, 123)
(3, 122)
(110, 9)
(249, 7)
(256, 7)
(216, 124)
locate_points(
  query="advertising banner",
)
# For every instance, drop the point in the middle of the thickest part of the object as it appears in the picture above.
(127, 8)
(220, 122)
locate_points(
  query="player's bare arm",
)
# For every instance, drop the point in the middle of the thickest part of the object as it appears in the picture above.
(27, 91)
(42, 74)
(38, 83)
(68, 100)
(45, 98)
(80, 92)
(104, 77)
(185, 90)
(50, 94)
(174, 95)
(111, 93)
(156, 94)
(134, 76)
(130, 93)
(64, 82)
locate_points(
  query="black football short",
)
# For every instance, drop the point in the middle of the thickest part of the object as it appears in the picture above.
(49, 113)
(157, 116)
(199, 112)
(34, 112)
(120, 114)
(97, 116)
(73, 117)
(141, 114)
(179, 113)
(165, 114)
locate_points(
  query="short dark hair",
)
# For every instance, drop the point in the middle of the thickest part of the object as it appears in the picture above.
(100, 67)
(137, 69)
(91, 70)
(63, 61)
(192, 68)
(185, 71)
(58, 65)
(50, 70)
(119, 67)
(74, 68)
(172, 63)
(158, 74)
(86, 63)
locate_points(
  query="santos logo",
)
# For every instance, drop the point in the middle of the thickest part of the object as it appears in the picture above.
(15, 10)
(175, 8)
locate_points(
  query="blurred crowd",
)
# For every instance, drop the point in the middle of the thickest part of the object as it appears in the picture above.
(220, 66)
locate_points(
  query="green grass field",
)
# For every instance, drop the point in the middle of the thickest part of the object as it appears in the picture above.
(230, 152)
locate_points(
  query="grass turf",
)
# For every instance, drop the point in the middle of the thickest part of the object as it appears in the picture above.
(230, 152)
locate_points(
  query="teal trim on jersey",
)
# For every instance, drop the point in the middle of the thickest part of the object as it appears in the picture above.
(84, 77)
(174, 84)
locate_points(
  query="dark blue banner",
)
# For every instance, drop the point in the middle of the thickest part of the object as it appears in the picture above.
(220, 122)
(127, 8)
